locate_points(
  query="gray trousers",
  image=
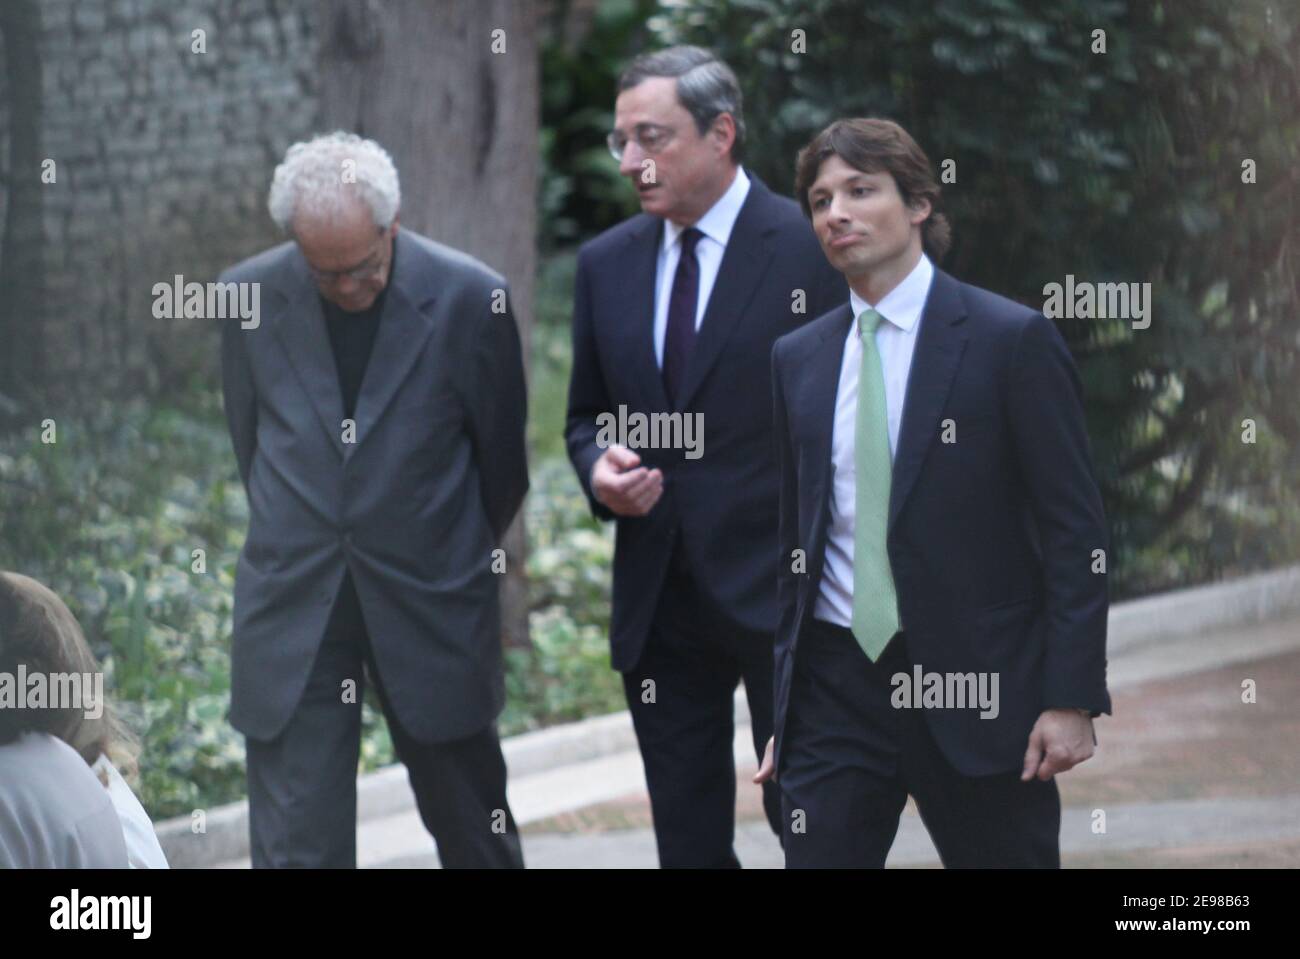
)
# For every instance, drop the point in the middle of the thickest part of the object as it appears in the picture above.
(302, 785)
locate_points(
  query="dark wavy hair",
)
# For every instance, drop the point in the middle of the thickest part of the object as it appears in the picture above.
(878, 146)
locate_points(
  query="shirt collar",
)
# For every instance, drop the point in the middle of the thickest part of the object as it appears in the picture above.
(903, 304)
(718, 222)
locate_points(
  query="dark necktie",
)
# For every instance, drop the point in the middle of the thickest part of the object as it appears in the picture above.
(680, 336)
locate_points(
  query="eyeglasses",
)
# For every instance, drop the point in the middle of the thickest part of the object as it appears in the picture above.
(372, 266)
(650, 137)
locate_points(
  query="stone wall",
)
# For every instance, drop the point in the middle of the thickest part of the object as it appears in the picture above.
(163, 158)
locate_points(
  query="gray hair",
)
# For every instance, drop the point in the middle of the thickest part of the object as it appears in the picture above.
(311, 180)
(706, 86)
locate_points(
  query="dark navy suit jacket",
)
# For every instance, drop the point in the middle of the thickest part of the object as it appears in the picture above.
(990, 537)
(723, 504)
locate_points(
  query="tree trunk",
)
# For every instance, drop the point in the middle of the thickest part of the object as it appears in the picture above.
(450, 89)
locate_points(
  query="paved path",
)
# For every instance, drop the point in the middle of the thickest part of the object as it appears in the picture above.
(1186, 773)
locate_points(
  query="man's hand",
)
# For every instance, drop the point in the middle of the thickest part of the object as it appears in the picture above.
(623, 485)
(1060, 740)
(768, 769)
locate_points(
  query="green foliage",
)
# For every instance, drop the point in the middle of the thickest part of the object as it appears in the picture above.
(580, 183)
(566, 674)
(552, 357)
(1116, 166)
(109, 516)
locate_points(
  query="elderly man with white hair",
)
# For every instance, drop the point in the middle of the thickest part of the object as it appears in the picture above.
(377, 414)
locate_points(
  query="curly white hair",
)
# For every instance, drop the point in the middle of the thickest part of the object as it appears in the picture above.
(320, 176)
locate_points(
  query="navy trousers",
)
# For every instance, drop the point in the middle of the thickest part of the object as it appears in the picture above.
(849, 760)
(680, 695)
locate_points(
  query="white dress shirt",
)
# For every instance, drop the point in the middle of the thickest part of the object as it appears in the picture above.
(716, 226)
(901, 308)
(142, 847)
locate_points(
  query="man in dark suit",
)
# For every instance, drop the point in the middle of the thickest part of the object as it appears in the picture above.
(377, 414)
(935, 473)
(675, 312)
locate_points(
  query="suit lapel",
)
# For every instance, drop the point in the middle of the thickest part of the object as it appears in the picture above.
(743, 264)
(299, 326)
(939, 346)
(817, 395)
(642, 252)
(403, 329)
(300, 329)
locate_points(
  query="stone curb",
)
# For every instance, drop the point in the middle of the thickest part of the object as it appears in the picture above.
(1238, 602)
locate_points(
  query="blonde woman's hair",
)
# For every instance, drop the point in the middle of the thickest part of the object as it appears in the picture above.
(39, 632)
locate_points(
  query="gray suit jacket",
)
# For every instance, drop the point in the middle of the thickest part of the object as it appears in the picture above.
(414, 506)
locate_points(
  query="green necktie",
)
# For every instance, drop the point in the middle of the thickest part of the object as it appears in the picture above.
(875, 604)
